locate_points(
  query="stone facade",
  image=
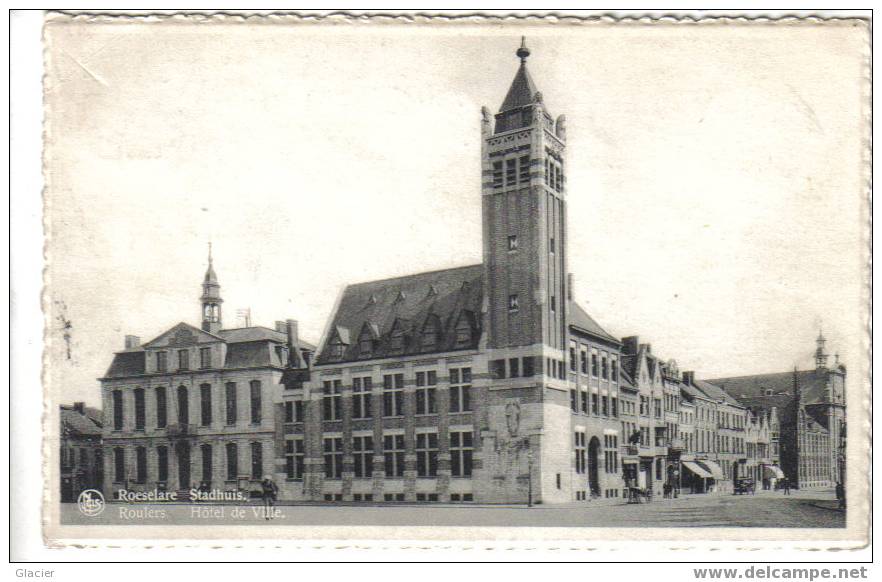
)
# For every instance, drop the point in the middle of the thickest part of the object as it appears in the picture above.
(195, 408)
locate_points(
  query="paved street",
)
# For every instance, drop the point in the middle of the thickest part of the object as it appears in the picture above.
(766, 509)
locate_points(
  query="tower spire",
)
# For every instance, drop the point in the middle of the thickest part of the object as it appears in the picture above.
(522, 91)
(523, 52)
(821, 351)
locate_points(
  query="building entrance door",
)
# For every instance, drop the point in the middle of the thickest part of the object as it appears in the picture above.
(593, 463)
(183, 451)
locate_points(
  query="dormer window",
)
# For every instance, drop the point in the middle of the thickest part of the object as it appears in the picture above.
(463, 331)
(337, 350)
(367, 340)
(396, 339)
(431, 334)
(338, 343)
(769, 392)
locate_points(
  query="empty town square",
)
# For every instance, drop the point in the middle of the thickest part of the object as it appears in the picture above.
(801, 509)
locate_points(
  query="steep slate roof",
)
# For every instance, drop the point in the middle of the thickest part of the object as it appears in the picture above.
(751, 390)
(521, 92)
(692, 392)
(75, 423)
(251, 354)
(259, 333)
(628, 365)
(715, 392)
(246, 347)
(127, 363)
(812, 384)
(580, 319)
(625, 380)
(411, 299)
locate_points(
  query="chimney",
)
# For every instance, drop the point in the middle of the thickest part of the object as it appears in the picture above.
(629, 345)
(648, 348)
(80, 407)
(294, 356)
(689, 378)
(571, 283)
(281, 327)
(132, 341)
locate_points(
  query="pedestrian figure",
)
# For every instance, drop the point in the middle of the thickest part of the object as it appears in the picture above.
(270, 491)
(840, 495)
(786, 486)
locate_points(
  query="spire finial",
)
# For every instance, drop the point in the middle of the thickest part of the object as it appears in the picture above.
(523, 52)
(209, 252)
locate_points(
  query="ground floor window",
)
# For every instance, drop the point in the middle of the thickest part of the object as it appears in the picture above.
(294, 455)
(461, 449)
(141, 465)
(333, 455)
(119, 465)
(393, 454)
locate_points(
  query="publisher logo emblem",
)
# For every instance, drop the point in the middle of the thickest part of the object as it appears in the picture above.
(90, 502)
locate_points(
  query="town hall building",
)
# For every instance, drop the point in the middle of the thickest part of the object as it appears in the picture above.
(483, 383)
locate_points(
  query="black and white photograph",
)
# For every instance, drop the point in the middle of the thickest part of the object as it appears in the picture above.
(475, 279)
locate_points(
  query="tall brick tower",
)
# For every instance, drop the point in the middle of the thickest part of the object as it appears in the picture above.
(524, 217)
(526, 451)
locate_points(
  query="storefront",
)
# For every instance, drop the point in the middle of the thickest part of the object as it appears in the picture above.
(772, 475)
(695, 478)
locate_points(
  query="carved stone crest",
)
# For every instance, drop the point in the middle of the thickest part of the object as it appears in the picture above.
(513, 417)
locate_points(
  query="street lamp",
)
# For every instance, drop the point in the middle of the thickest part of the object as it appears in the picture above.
(529, 475)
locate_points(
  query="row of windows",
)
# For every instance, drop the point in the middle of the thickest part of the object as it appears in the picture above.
(601, 366)
(183, 359)
(511, 172)
(600, 405)
(461, 448)
(140, 475)
(393, 395)
(525, 367)
(183, 405)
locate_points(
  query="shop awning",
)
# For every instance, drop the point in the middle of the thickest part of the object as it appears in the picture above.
(772, 472)
(697, 470)
(712, 468)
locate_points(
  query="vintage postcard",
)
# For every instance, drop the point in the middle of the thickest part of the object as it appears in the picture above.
(475, 279)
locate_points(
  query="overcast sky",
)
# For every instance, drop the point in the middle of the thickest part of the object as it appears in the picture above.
(715, 177)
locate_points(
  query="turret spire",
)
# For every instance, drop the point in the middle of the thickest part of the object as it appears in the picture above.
(211, 299)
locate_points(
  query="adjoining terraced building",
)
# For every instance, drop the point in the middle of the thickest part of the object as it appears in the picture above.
(810, 409)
